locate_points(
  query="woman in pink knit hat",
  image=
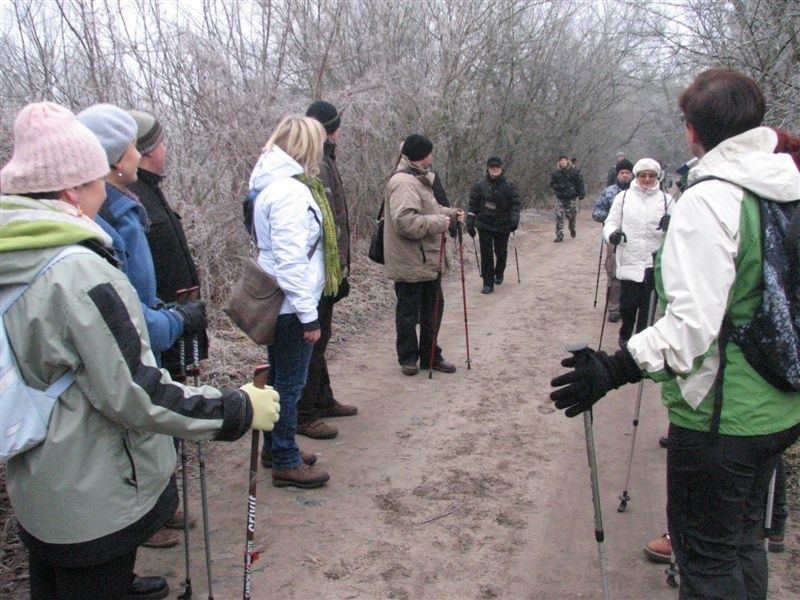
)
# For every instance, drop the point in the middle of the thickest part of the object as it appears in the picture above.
(96, 487)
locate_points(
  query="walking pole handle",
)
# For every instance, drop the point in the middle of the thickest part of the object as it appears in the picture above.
(250, 555)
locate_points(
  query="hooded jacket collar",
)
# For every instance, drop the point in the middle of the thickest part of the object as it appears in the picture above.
(749, 161)
(273, 165)
(28, 224)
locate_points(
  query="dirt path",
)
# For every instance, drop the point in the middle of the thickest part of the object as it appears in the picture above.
(466, 485)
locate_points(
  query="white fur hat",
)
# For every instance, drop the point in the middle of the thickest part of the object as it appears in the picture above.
(647, 164)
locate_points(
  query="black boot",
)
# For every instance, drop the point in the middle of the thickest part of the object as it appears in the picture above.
(147, 588)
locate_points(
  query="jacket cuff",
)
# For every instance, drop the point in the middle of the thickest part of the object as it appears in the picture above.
(311, 325)
(237, 415)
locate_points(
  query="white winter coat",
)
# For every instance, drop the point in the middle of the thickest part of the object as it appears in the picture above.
(288, 223)
(637, 211)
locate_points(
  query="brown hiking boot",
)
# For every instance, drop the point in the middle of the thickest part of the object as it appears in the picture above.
(317, 429)
(659, 550)
(177, 521)
(306, 457)
(303, 476)
(337, 409)
(163, 538)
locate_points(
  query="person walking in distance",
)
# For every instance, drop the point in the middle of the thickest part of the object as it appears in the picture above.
(599, 214)
(567, 183)
(98, 485)
(317, 401)
(413, 228)
(728, 423)
(296, 237)
(612, 172)
(635, 226)
(494, 212)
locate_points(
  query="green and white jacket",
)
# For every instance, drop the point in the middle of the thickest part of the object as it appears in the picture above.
(710, 264)
(108, 455)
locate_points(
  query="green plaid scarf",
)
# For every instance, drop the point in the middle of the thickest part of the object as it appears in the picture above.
(330, 245)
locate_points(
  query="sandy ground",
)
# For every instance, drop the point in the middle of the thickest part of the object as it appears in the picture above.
(461, 486)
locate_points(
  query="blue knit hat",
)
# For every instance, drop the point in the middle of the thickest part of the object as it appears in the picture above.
(114, 127)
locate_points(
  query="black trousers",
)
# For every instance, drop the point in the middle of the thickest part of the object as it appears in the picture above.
(318, 393)
(494, 245)
(416, 303)
(715, 509)
(106, 581)
(634, 302)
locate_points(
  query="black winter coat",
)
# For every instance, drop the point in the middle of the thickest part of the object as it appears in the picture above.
(567, 183)
(174, 266)
(494, 205)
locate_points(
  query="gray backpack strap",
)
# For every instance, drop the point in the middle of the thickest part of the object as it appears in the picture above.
(11, 295)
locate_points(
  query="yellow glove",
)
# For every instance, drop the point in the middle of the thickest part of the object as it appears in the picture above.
(266, 408)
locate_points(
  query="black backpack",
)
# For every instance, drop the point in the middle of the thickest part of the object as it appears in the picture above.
(770, 341)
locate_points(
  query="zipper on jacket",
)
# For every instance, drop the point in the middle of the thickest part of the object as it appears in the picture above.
(424, 257)
(131, 481)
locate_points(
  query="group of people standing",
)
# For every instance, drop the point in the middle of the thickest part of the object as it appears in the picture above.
(89, 307)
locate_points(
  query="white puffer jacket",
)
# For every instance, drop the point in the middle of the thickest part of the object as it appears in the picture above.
(637, 211)
(288, 223)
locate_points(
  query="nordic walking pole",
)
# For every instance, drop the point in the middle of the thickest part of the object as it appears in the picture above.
(193, 293)
(250, 554)
(599, 263)
(580, 353)
(603, 322)
(187, 583)
(436, 303)
(770, 499)
(460, 236)
(477, 260)
(624, 498)
(516, 258)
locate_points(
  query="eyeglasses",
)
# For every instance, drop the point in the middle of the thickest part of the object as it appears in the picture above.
(646, 175)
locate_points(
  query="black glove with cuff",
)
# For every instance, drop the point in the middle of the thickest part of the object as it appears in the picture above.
(594, 374)
(615, 238)
(193, 314)
(663, 224)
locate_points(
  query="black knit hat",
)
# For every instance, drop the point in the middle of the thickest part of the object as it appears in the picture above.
(624, 165)
(494, 161)
(416, 147)
(325, 113)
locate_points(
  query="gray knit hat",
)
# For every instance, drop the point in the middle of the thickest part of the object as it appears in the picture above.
(149, 132)
(114, 127)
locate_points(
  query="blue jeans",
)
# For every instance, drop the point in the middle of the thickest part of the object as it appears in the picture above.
(289, 355)
(715, 509)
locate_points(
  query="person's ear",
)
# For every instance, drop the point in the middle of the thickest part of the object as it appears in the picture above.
(70, 197)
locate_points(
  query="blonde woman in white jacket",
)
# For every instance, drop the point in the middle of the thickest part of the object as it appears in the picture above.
(636, 224)
(296, 238)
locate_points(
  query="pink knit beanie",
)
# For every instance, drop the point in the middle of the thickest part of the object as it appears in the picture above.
(53, 151)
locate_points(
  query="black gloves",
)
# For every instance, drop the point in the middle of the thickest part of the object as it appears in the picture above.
(663, 224)
(593, 374)
(471, 224)
(616, 237)
(193, 314)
